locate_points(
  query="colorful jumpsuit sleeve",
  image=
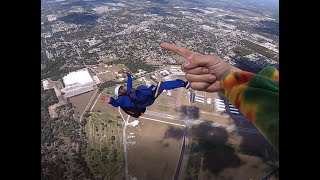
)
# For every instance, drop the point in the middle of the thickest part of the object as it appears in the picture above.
(257, 97)
(129, 84)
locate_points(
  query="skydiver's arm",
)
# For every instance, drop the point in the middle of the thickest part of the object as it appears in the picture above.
(129, 84)
(257, 97)
(114, 102)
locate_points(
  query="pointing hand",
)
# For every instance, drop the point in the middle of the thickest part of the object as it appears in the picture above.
(202, 71)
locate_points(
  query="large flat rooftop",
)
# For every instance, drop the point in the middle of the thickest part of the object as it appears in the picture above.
(81, 76)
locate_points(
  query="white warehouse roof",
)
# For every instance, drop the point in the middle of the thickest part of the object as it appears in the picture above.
(81, 76)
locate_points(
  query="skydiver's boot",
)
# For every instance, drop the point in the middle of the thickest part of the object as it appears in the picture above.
(187, 85)
(157, 93)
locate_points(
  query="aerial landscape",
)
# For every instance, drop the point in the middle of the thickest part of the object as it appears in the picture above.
(88, 46)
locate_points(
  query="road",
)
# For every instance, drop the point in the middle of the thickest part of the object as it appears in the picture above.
(191, 122)
(163, 121)
(204, 112)
(182, 156)
(125, 144)
(96, 73)
(95, 102)
(89, 103)
(185, 153)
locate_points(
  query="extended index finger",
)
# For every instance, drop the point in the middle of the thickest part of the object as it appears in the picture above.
(179, 50)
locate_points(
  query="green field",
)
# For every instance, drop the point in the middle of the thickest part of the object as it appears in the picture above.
(103, 152)
(260, 50)
(242, 51)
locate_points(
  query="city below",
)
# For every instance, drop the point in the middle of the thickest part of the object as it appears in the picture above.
(87, 48)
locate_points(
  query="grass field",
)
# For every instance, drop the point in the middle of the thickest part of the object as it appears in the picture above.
(108, 76)
(100, 106)
(260, 49)
(156, 152)
(80, 102)
(242, 51)
(104, 150)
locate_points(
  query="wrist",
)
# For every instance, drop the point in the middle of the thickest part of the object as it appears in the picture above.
(227, 70)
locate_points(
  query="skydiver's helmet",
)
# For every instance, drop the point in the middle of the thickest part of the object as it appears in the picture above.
(116, 90)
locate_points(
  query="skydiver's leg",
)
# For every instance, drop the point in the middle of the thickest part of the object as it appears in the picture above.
(146, 90)
(142, 87)
(168, 85)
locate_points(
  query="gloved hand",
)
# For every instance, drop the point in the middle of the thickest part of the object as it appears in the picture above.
(105, 99)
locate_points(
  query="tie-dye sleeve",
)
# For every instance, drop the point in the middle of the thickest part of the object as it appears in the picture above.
(257, 97)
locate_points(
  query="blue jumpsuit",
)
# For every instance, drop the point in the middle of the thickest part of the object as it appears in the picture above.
(145, 94)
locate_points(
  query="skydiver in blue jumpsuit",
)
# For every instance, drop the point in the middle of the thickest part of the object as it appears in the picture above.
(134, 101)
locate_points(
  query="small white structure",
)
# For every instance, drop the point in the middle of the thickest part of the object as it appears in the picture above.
(200, 101)
(208, 100)
(234, 112)
(140, 73)
(134, 123)
(169, 93)
(51, 17)
(233, 109)
(164, 73)
(46, 85)
(96, 79)
(221, 106)
(220, 103)
(221, 109)
(218, 100)
(199, 98)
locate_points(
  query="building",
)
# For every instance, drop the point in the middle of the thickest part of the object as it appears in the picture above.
(46, 85)
(199, 98)
(164, 73)
(169, 93)
(96, 80)
(208, 100)
(140, 73)
(51, 17)
(177, 70)
(199, 101)
(218, 100)
(192, 96)
(78, 82)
